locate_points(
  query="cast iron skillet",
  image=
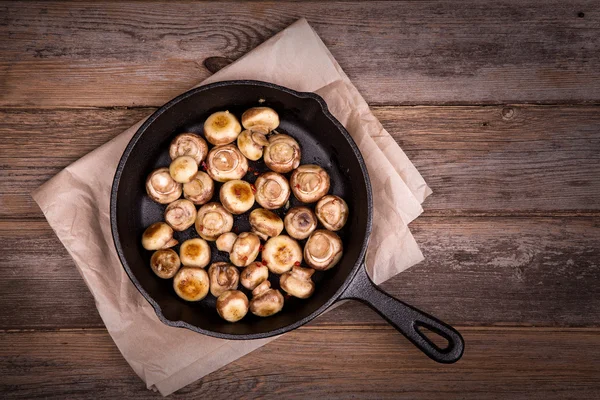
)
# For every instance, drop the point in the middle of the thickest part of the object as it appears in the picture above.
(325, 142)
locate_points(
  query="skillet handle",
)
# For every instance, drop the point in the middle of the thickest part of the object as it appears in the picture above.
(406, 319)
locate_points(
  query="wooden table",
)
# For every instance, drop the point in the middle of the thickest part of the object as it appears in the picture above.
(497, 104)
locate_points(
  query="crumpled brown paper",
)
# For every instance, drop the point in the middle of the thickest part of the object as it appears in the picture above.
(76, 204)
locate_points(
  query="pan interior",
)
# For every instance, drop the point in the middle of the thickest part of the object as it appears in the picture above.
(322, 142)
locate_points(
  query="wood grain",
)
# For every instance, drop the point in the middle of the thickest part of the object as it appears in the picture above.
(526, 363)
(107, 54)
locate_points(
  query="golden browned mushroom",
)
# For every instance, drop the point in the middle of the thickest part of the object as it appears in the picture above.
(266, 301)
(165, 263)
(332, 211)
(158, 236)
(161, 187)
(223, 276)
(260, 119)
(272, 190)
(281, 253)
(225, 163)
(232, 305)
(245, 249)
(309, 183)
(323, 249)
(183, 169)
(237, 196)
(265, 223)
(225, 241)
(191, 283)
(253, 275)
(297, 282)
(213, 220)
(251, 144)
(300, 222)
(282, 154)
(221, 128)
(195, 253)
(180, 214)
(188, 144)
(200, 189)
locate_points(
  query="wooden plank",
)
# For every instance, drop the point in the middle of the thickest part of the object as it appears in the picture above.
(438, 52)
(354, 362)
(477, 271)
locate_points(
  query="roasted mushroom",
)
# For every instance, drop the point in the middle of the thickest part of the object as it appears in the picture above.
(265, 223)
(188, 144)
(332, 211)
(221, 128)
(191, 283)
(266, 301)
(251, 144)
(232, 305)
(161, 187)
(180, 214)
(323, 249)
(213, 220)
(183, 169)
(245, 249)
(281, 253)
(297, 282)
(260, 119)
(309, 183)
(165, 263)
(200, 189)
(237, 196)
(282, 154)
(158, 236)
(300, 222)
(253, 275)
(225, 163)
(272, 190)
(223, 276)
(225, 241)
(195, 253)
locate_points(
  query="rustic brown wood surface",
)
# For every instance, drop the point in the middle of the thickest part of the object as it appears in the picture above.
(496, 103)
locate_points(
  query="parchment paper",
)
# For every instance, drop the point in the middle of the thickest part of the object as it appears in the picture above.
(76, 204)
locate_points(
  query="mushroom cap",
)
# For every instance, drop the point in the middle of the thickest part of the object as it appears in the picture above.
(251, 144)
(332, 211)
(221, 128)
(225, 163)
(161, 187)
(300, 222)
(266, 301)
(272, 190)
(297, 282)
(282, 154)
(165, 263)
(309, 183)
(225, 241)
(232, 305)
(260, 119)
(183, 169)
(212, 221)
(188, 144)
(253, 275)
(195, 253)
(281, 253)
(158, 236)
(245, 249)
(223, 276)
(191, 284)
(200, 189)
(265, 223)
(323, 249)
(180, 214)
(237, 196)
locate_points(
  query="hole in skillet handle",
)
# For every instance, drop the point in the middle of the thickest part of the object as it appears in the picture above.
(409, 321)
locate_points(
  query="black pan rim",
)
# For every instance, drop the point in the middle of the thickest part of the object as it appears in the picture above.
(113, 207)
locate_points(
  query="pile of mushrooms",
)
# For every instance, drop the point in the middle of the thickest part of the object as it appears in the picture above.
(285, 246)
